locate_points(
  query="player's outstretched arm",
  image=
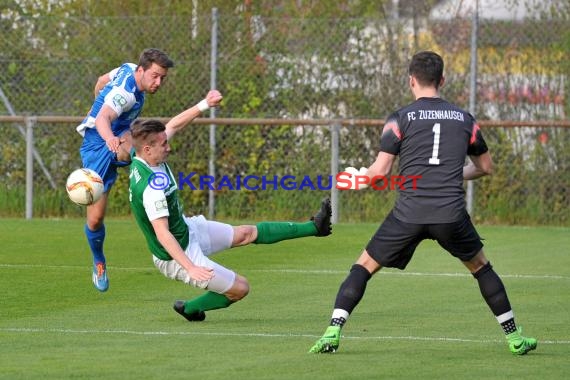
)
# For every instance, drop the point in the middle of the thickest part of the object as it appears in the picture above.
(478, 167)
(169, 242)
(103, 124)
(184, 118)
(382, 166)
(101, 82)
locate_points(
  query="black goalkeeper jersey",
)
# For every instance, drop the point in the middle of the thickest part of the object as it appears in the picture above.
(432, 138)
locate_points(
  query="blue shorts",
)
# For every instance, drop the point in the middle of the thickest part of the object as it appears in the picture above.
(96, 155)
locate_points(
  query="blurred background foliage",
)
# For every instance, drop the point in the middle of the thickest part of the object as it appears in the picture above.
(291, 59)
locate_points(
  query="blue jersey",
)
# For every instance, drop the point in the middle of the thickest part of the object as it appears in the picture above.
(123, 96)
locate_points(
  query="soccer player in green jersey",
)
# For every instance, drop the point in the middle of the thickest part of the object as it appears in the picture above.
(180, 245)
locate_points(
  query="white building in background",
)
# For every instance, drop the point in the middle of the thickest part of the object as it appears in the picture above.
(528, 96)
(500, 10)
(515, 95)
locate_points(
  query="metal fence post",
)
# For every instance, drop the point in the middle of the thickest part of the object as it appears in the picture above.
(213, 69)
(335, 132)
(37, 156)
(473, 93)
(30, 121)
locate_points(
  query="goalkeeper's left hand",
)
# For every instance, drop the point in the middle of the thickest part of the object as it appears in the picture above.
(352, 179)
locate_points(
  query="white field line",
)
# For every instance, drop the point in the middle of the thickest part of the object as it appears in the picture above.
(264, 335)
(405, 273)
(254, 335)
(300, 271)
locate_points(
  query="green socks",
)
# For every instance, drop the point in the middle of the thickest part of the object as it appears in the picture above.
(207, 301)
(272, 232)
(267, 233)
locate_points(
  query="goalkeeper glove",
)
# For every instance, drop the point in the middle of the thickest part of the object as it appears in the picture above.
(353, 179)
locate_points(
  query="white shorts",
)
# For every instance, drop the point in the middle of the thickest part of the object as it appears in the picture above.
(206, 238)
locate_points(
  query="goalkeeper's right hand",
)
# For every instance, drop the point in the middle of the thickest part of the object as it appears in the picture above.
(352, 179)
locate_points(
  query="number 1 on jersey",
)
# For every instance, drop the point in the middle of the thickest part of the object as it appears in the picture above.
(436, 132)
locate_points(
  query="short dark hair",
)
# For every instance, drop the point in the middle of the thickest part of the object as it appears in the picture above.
(427, 68)
(143, 132)
(152, 55)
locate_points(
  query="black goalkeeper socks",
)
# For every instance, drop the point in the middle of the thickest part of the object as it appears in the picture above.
(492, 290)
(352, 289)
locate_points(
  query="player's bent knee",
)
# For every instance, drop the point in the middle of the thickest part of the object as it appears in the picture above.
(477, 262)
(369, 263)
(239, 289)
(96, 214)
(124, 152)
(244, 235)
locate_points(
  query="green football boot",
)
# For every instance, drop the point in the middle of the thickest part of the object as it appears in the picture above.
(328, 343)
(520, 345)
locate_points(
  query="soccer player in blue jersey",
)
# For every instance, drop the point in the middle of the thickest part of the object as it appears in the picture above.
(119, 99)
(432, 138)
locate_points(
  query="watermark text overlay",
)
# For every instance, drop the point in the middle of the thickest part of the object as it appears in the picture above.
(342, 181)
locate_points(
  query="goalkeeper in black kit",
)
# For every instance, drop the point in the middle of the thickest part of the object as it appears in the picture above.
(432, 138)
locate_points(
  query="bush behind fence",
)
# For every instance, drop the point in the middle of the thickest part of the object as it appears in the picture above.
(272, 66)
(530, 184)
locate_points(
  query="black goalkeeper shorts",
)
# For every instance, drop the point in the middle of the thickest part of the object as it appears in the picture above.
(394, 242)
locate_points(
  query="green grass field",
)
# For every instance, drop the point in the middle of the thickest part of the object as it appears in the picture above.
(428, 322)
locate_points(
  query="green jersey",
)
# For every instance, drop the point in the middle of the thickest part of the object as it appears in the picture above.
(153, 194)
